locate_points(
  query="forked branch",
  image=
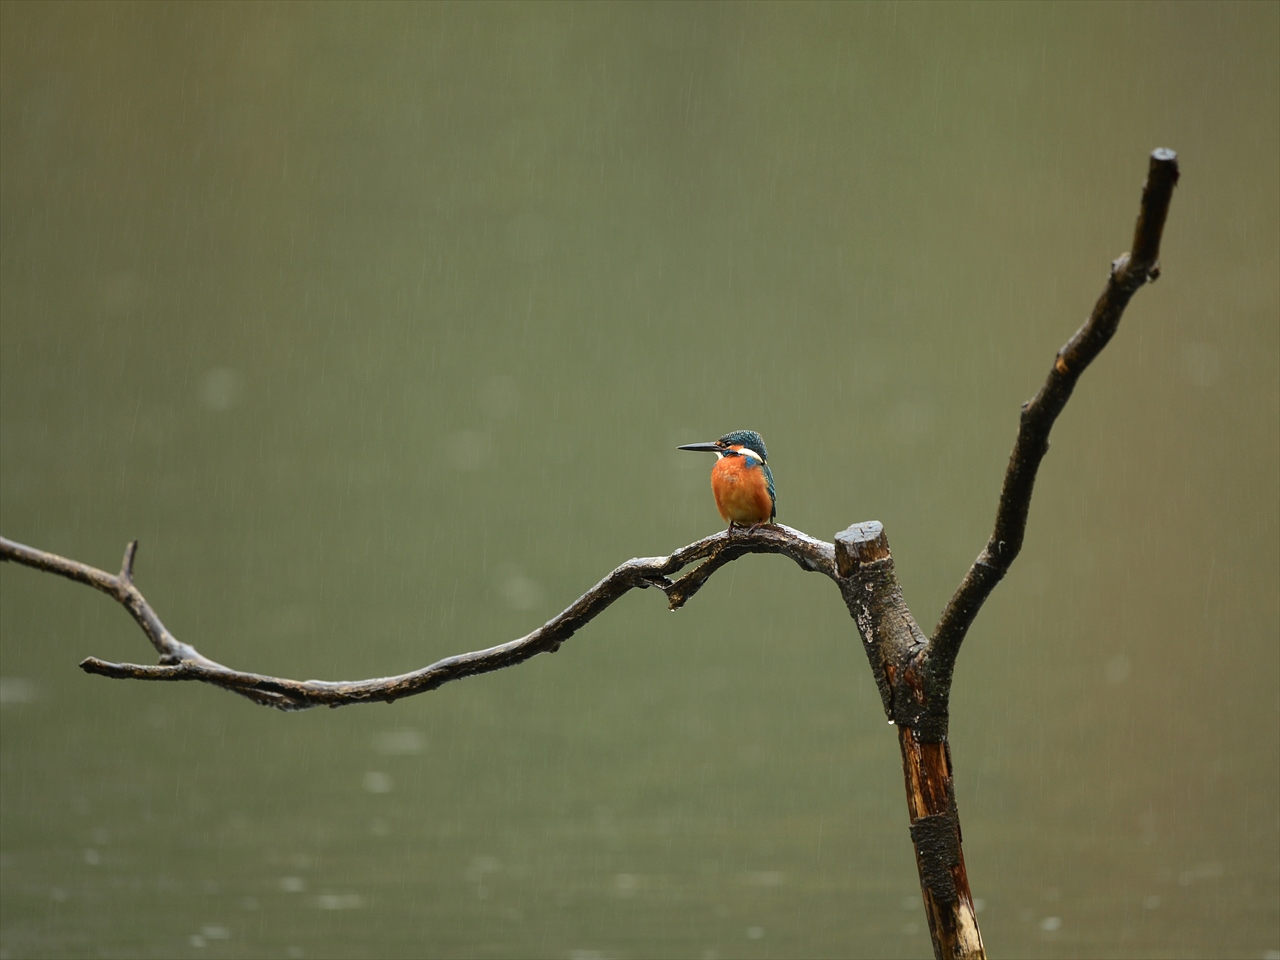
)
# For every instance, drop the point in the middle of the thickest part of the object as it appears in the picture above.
(181, 661)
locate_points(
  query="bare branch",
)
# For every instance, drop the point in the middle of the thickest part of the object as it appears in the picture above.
(180, 661)
(1129, 272)
(915, 699)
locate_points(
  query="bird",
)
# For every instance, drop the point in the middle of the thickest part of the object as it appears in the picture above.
(741, 480)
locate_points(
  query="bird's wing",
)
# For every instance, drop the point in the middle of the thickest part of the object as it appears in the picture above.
(768, 478)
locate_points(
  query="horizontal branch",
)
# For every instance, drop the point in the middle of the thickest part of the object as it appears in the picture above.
(1129, 272)
(180, 661)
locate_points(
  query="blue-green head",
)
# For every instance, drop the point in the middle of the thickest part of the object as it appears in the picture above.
(748, 441)
(745, 438)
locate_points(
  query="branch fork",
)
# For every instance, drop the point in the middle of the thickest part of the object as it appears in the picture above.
(181, 661)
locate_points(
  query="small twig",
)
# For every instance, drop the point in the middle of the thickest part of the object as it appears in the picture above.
(180, 661)
(126, 566)
(1129, 272)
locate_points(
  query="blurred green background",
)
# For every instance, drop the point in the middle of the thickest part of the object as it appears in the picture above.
(378, 326)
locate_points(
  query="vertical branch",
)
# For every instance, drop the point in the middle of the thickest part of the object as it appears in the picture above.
(916, 700)
(935, 834)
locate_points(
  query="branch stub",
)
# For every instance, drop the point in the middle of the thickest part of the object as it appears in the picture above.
(861, 543)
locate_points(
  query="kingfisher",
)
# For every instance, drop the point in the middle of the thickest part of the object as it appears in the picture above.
(741, 480)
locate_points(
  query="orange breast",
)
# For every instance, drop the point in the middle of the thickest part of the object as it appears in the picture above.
(741, 492)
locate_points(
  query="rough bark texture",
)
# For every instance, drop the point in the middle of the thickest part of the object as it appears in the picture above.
(899, 657)
(935, 834)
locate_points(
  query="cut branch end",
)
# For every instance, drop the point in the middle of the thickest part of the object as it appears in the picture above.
(860, 544)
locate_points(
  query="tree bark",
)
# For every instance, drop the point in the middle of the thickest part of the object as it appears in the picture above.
(916, 701)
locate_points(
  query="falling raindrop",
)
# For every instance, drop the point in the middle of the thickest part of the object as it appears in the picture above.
(1201, 364)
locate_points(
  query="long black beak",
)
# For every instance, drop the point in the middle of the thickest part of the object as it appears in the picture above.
(704, 447)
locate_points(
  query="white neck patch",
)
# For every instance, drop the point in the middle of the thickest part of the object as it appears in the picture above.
(748, 452)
